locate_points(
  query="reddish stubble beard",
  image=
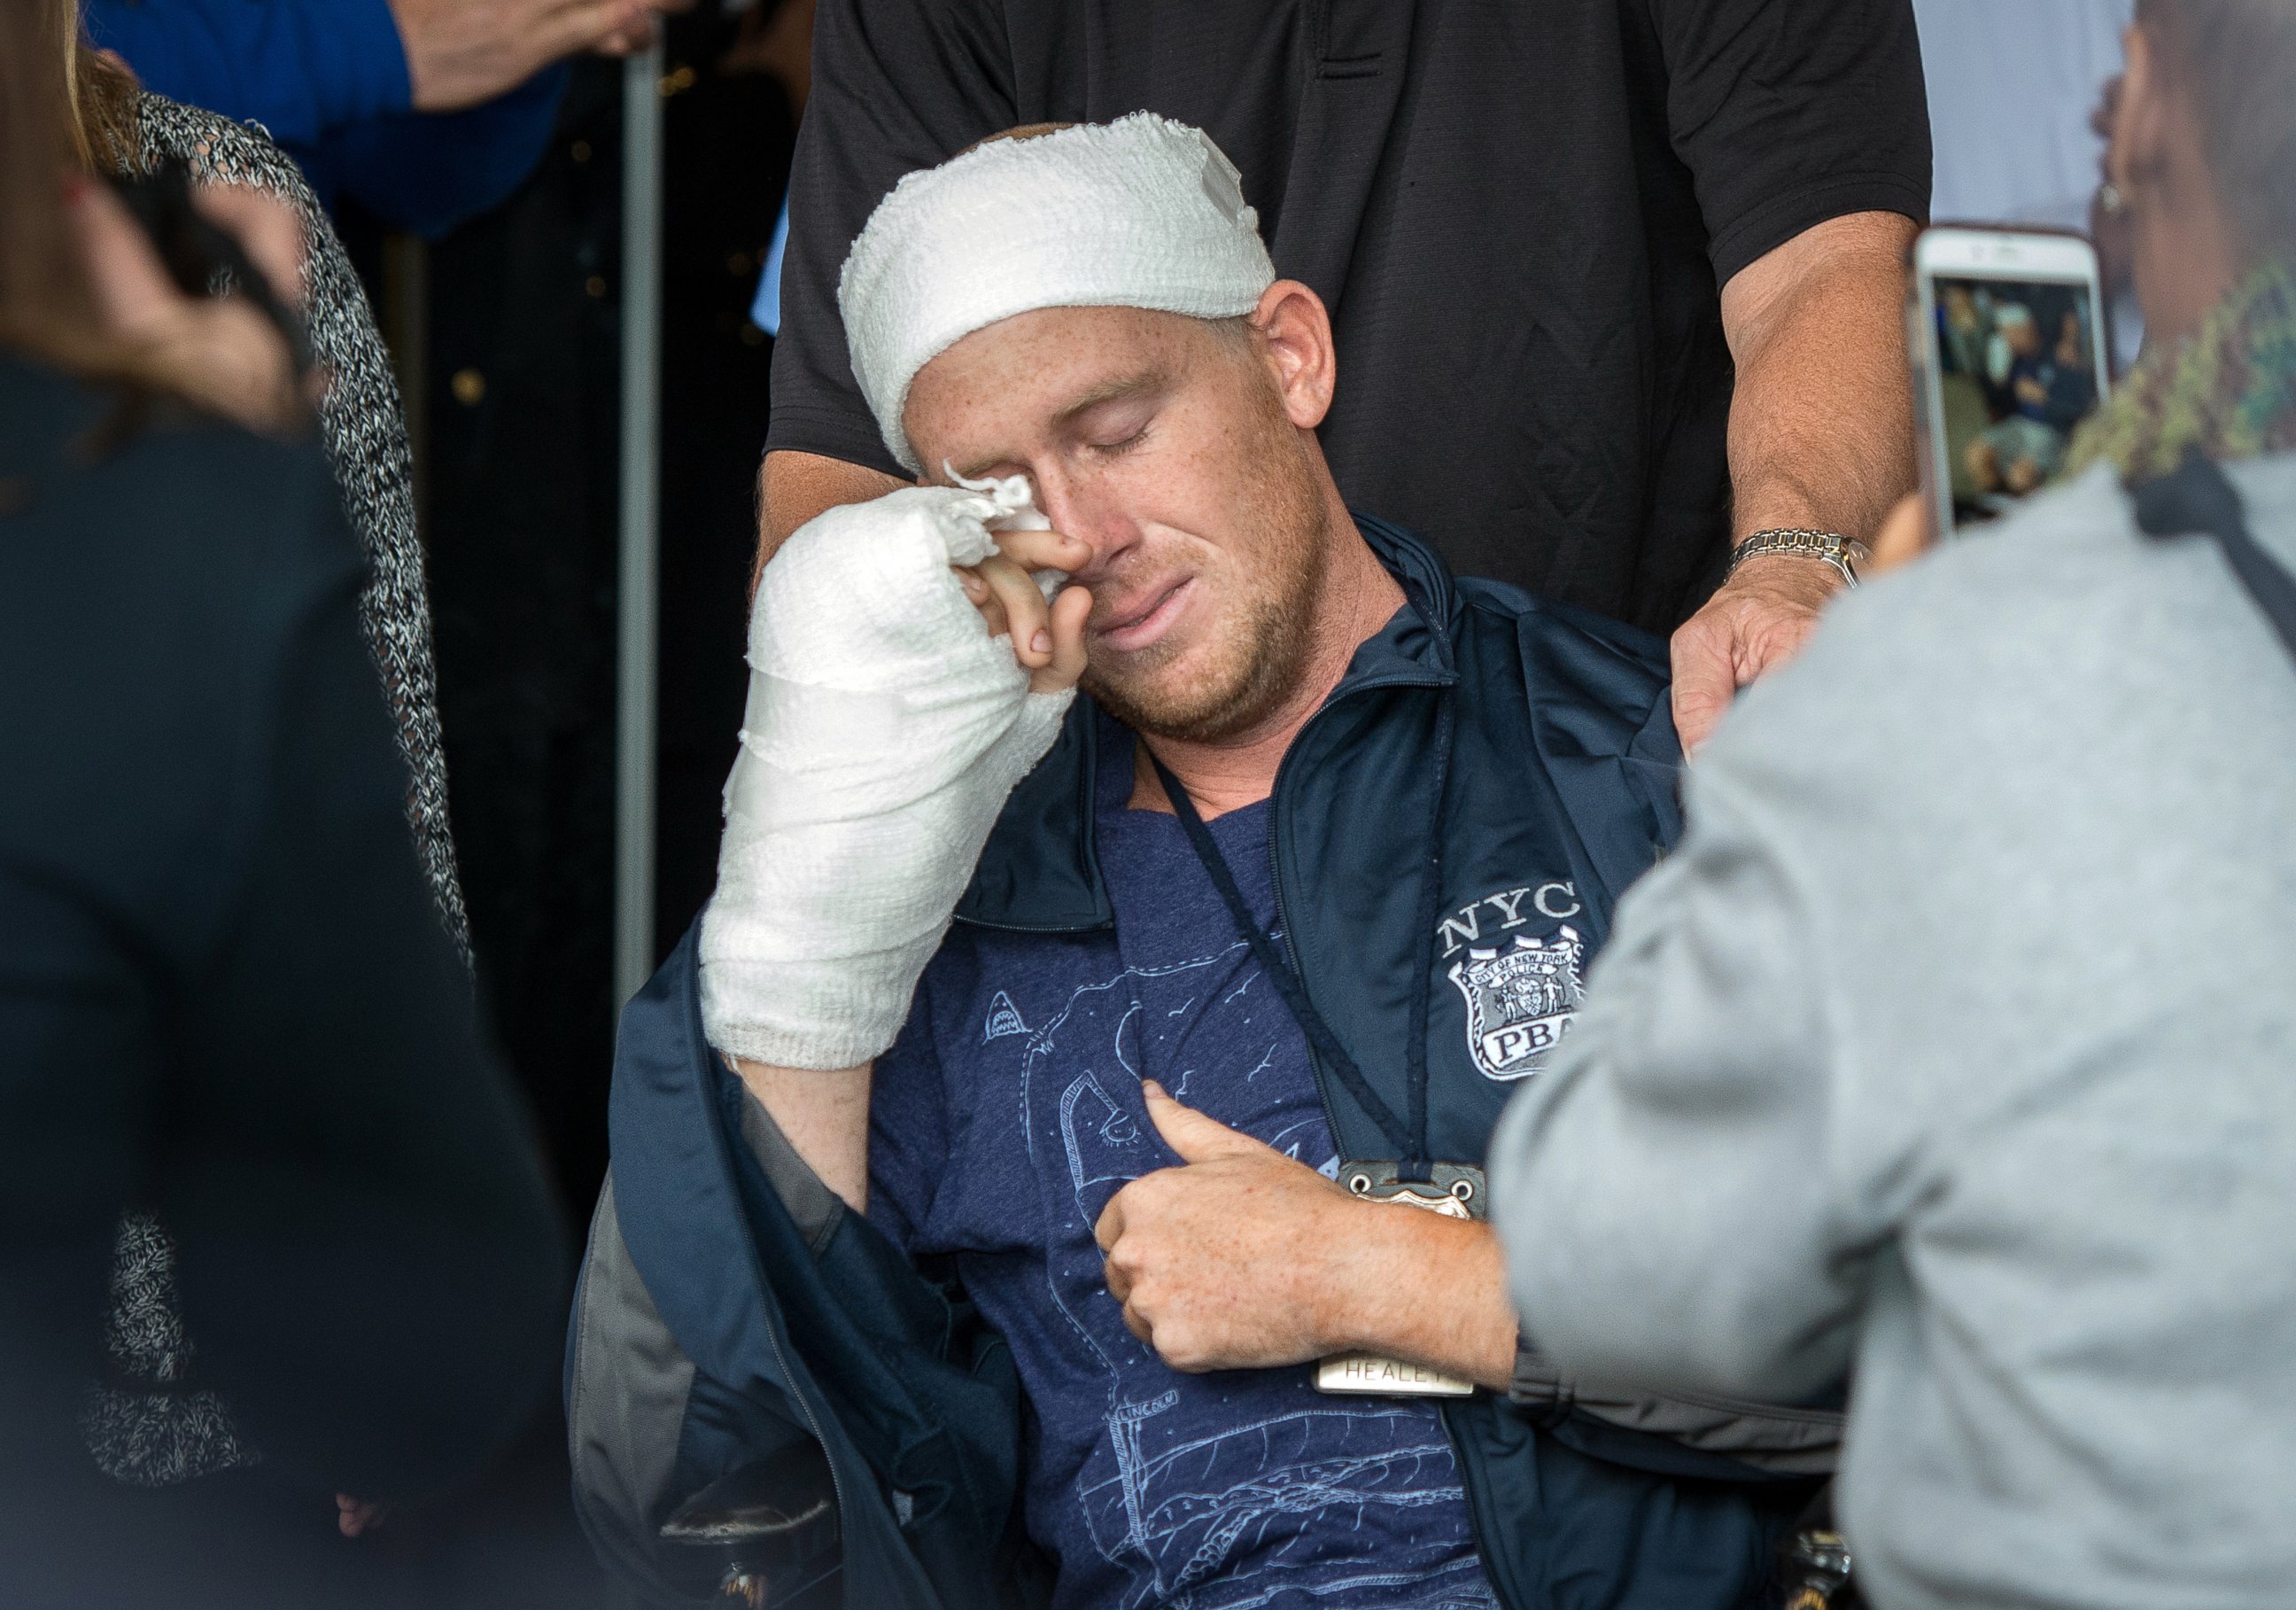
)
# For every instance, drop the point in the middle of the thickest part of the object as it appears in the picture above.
(1250, 658)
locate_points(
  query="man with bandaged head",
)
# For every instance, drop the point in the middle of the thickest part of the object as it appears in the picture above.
(1066, 1122)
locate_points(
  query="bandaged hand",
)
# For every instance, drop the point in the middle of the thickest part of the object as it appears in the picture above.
(885, 728)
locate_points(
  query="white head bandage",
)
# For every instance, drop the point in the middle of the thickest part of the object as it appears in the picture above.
(1142, 212)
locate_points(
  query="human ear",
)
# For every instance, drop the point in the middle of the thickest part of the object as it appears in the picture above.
(1294, 334)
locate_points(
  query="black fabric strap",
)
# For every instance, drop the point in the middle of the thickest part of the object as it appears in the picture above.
(2200, 498)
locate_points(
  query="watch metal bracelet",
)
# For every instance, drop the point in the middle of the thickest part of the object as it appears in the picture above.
(1844, 553)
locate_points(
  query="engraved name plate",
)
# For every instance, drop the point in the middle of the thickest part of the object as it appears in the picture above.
(1455, 1193)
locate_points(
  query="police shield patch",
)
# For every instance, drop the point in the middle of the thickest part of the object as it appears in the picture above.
(1519, 1000)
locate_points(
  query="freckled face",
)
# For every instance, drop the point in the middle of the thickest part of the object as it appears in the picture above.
(1162, 441)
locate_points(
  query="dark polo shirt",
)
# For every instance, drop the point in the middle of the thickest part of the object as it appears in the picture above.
(1520, 213)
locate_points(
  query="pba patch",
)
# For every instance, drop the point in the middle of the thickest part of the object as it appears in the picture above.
(1520, 1001)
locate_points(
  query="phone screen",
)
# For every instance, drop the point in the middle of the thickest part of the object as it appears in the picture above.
(2016, 368)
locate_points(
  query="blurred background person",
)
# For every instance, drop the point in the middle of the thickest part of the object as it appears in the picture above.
(503, 339)
(225, 991)
(149, 1423)
(427, 111)
(2025, 444)
(1623, 282)
(1953, 1043)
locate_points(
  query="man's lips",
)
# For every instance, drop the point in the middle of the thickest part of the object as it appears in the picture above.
(1140, 626)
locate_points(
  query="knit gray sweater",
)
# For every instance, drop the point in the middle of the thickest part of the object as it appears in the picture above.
(1956, 1047)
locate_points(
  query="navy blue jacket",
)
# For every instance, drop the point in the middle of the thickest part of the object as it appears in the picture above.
(1559, 791)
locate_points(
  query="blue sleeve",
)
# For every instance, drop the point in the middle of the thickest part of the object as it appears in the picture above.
(429, 171)
(297, 67)
(766, 308)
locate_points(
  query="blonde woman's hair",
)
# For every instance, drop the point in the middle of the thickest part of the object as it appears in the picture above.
(63, 110)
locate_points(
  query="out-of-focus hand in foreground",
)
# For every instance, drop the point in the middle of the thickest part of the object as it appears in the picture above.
(219, 353)
(1905, 536)
(355, 1515)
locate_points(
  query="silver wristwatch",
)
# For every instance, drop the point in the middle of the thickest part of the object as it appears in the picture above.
(1844, 553)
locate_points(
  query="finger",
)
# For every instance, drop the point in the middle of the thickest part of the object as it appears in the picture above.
(1196, 1137)
(984, 599)
(1137, 1324)
(132, 290)
(1705, 681)
(228, 358)
(1904, 536)
(584, 25)
(1025, 616)
(1069, 612)
(265, 229)
(1109, 1228)
(1119, 1280)
(636, 32)
(1043, 550)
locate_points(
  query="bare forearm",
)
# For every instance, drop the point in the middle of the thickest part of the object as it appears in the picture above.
(1431, 1290)
(792, 487)
(1821, 426)
(825, 1116)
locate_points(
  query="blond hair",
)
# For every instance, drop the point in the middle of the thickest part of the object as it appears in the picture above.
(63, 109)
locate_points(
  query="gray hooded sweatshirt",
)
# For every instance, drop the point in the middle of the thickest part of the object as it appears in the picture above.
(1956, 1049)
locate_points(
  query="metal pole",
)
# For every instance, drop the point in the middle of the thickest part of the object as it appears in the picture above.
(635, 678)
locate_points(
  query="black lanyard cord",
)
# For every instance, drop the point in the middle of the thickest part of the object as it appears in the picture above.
(1410, 1143)
(2200, 498)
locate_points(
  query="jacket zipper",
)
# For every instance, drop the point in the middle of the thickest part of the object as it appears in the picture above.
(1275, 876)
(1283, 924)
(1483, 1555)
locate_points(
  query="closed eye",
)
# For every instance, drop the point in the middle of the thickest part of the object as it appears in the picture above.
(1112, 422)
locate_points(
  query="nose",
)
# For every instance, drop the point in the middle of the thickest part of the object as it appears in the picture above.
(1090, 513)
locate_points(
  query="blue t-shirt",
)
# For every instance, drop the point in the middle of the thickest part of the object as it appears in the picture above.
(1004, 1121)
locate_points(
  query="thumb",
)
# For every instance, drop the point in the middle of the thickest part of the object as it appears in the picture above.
(1196, 1137)
(1705, 681)
(1904, 536)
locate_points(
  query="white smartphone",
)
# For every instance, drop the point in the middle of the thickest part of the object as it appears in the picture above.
(2008, 341)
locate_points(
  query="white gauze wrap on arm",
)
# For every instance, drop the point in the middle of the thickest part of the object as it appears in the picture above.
(884, 730)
